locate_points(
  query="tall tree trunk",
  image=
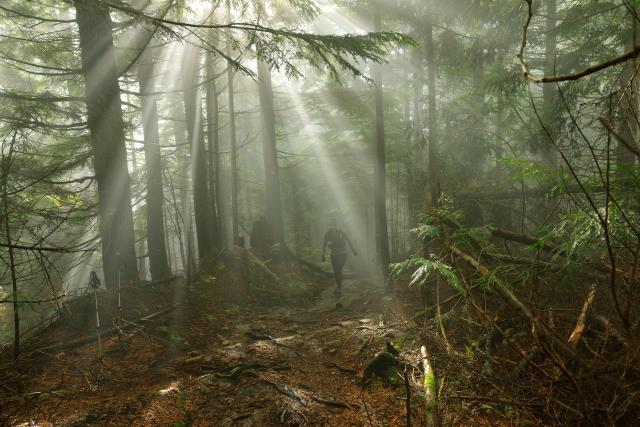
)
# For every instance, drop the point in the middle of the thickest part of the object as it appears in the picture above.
(167, 237)
(156, 246)
(178, 221)
(182, 214)
(549, 92)
(193, 115)
(181, 209)
(298, 204)
(138, 221)
(432, 136)
(6, 169)
(232, 142)
(418, 181)
(213, 143)
(270, 154)
(380, 202)
(104, 116)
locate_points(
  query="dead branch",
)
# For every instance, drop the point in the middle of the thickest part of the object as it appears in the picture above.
(631, 145)
(563, 349)
(525, 239)
(91, 338)
(287, 391)
(330, 402)
(576, 335)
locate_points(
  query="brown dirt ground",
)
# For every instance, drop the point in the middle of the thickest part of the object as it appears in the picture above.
(240, 350)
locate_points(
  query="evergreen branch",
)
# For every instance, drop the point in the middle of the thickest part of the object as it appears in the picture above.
(631, 54)
(334, 51)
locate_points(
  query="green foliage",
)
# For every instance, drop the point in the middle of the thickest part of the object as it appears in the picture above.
(470, 350)
(401, 342)
(282, 48)
(422, 269)
(524, 169)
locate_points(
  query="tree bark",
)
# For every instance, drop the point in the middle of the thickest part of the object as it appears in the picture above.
(213, 144)
(380, 200)
(432, 136)
(193, 115)
(6, 169)
(232, 143)
(138, 222)
(104, 116)
(182, 211)
(270, 154)
(156, 246)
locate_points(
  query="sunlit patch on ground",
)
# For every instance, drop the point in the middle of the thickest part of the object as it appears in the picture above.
(170, 388)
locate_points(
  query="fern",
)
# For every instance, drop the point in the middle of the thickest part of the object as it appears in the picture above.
(422, 270)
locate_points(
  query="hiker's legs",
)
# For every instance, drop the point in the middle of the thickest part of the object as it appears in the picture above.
(337, 263)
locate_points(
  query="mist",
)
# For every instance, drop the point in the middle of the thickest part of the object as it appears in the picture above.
(321, 212)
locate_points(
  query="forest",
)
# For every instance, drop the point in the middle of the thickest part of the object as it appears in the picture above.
(319, 212)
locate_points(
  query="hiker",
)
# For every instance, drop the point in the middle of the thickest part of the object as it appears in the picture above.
(337, 241)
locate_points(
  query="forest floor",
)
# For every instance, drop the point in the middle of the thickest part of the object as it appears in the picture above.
(291, 354)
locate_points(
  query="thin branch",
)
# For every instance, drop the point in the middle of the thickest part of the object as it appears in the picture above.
(571, 76)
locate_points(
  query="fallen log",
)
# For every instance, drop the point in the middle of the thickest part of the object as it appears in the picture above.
(316, 269)
(262, 266)
(311, 267)
(525, 239)
(113, 331)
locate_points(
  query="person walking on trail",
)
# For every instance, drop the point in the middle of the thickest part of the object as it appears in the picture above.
(337, 241)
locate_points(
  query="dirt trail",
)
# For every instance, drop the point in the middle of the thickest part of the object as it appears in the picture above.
(246, 366)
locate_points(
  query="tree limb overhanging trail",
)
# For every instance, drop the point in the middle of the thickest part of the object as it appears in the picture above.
(629, 55)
